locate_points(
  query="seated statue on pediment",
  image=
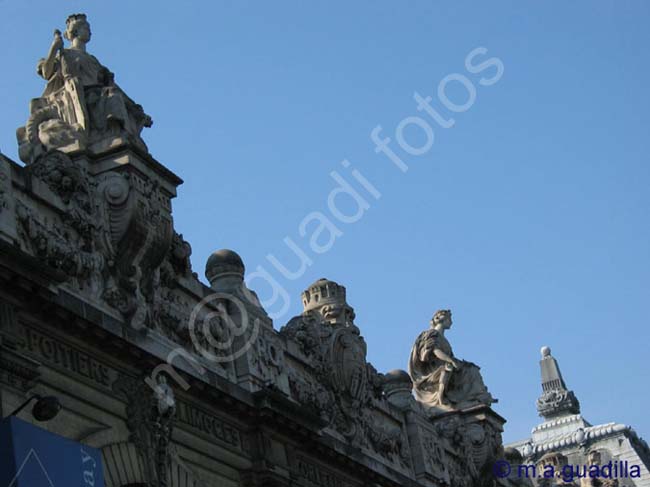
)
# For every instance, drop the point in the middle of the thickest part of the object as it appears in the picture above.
(81, 104)
(441, 381)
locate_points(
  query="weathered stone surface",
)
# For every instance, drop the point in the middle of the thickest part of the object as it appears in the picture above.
(81, 106)
(441, 382)
(555, 400)
(342, 387)
(178, 383)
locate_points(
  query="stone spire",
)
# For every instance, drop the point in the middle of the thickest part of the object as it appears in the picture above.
(556, 400)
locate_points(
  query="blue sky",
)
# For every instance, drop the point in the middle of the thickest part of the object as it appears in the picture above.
(528, 218)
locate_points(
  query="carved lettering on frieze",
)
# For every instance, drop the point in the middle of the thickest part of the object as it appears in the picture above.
(267, 357)
(17, 370)
(209, 424)
(67, 358)
(315, 474)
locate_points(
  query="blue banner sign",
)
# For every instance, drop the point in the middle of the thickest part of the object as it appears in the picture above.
(33, 457)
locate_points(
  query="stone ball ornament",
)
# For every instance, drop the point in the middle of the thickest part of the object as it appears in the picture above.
(223, 263)
(398, 377)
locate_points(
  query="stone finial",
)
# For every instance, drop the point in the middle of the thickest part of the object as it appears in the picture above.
(398, 387)
(224, 268)
(556, 399)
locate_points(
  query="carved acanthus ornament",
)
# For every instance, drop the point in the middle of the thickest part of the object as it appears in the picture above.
(114, 235)
(151, 414)
(60, 247)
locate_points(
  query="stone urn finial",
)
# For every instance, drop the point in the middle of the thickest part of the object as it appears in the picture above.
(398, 387)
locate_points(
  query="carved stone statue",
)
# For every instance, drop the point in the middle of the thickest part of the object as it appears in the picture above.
(440, 381)
(81, 103)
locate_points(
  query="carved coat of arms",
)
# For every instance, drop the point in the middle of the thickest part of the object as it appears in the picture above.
(349, 369)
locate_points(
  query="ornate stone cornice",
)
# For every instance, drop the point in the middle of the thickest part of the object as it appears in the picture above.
(577, 437)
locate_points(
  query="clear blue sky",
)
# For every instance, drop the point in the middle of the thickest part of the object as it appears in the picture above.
(528, 218)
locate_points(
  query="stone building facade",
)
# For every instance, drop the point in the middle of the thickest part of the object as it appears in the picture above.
(565, 439)
(180, 384)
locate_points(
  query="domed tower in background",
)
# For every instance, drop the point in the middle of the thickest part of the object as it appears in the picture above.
(565, 438)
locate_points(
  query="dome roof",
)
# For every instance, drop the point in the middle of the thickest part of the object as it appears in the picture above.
(223, 261)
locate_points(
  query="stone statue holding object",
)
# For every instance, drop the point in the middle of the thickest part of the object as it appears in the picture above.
(81, 105)
(440, 381)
